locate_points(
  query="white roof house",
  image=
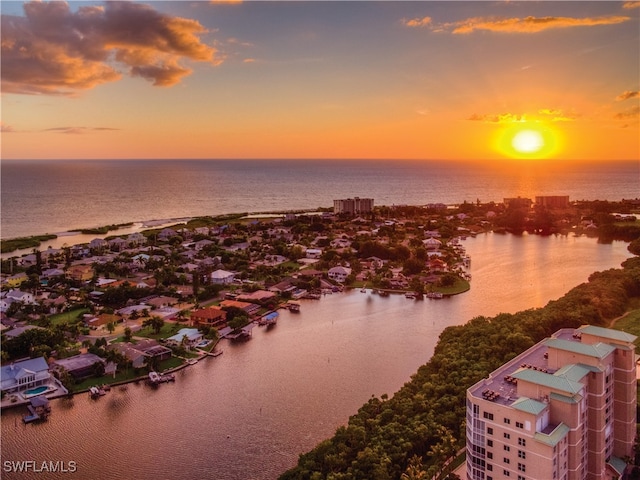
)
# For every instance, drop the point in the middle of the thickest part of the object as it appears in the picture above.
(222, 277)
(24, 374)
(193, 336)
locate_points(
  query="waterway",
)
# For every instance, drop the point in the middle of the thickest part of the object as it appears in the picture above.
(249, 413)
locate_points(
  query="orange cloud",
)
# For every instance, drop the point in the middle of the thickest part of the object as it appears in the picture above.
(500, 118)
(545, 115)
(54, 51)
(632, 113)
(417, 22)
(78, 130)
(626, 95)
(630, 5)
(530, 24)
(6, 128)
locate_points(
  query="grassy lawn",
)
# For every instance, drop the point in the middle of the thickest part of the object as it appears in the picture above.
(458, 287)
(630, 323)
(66, 317)
(167, 330)
(129, 374)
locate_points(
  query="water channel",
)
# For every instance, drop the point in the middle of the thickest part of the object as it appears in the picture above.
(248, 413)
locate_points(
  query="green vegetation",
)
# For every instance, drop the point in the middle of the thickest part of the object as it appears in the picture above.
(24, 242)
(415, 431)
(70, 316)
(630, 323)
(104, 229)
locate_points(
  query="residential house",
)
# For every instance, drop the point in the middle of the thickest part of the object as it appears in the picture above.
(98, 244)
(138, 353)
(102, 320)
(80, 273)
(136, 239)
(188, 337)
(79, 366)
(250, 308)
(16, 280)
(339, 273)
(314, 253)
(23, 375)
(257, 296)
(25, 298)
(162, 301)
(117, 244)
(212, 316)
(222, 277)
(17, 331)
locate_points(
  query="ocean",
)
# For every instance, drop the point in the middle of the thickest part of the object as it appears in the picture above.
(41, 197)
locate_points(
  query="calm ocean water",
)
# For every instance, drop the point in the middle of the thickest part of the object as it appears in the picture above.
(56, 196)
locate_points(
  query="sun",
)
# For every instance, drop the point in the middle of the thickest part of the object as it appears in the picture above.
(527, 141)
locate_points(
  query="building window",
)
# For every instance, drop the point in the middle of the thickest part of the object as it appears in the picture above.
(519, 425)
(507, 448)
(521, 454)
(507, 421)
(489, 431)
(488, 415)
(506, 435)
(490, 455)
(489, 443)
(505, 473)
(520, 477)
(505, 460)
(521, 467)
(522, 441)
(490, 467)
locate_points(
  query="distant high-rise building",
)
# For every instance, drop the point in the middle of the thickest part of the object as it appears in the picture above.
(353, 206)
(517, 202)
(553, 201)
(563, 410)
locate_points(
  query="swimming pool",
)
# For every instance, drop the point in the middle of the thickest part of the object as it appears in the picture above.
(36, 391)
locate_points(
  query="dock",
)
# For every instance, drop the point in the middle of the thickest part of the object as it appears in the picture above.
(39, 409)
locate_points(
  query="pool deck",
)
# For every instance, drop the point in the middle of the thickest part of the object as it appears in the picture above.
(22, 400)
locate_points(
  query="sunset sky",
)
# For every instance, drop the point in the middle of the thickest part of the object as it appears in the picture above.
(408, 80)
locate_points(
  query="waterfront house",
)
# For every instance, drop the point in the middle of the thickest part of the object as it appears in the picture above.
(25, 374)
(339, 274)
(190, 337)
(79, 366)
(117, 244)
(135, 239)
(257, 296)
(211, 316)
(138, 353)
(98, 244)
(250, 308)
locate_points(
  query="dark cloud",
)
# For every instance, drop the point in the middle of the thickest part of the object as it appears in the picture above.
(52, 50)
(626, 95)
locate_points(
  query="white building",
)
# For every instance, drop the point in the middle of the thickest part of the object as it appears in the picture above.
(339, 274)
(222, 277)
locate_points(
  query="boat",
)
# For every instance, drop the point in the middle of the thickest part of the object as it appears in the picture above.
(192, 361)
(383, 293)
(293, 306)
(156, 378)
(410, 295)
(96, 392)
(435, 295)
